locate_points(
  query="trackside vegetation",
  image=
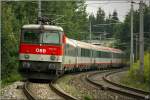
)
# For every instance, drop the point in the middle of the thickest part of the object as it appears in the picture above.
(133, 78)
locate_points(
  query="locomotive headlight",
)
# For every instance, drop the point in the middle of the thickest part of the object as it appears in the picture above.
(26, 64)
(52, 57)
(51, 66)
(26, 56)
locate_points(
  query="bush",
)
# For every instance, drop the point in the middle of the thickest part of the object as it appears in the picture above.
(147, 67)
(12, 78)
(87, 97)
(134, 72)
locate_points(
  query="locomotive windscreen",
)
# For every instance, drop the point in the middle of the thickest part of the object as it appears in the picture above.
(37, 37)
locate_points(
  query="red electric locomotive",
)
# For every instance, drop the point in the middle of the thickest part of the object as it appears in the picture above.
(41, 50)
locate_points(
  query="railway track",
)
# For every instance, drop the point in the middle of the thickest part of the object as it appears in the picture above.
(105, 83)
(27, 92)
(61, 93)
(95, 92)
(86, 89)
(38, 91)
(102, 88)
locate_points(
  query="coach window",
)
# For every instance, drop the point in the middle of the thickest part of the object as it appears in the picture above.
(108, 54)
(119, 56)
(105, 54)
(82, 52)
(76, 50)
(86, 52)
(99, 53)
(102, 55)
(114, 55)
(92, 51)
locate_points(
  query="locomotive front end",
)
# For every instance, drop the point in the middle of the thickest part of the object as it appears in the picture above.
(41, 51)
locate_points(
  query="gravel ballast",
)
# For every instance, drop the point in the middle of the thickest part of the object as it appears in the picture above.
(13, 91)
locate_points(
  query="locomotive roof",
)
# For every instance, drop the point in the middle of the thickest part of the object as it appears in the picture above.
(46, 27)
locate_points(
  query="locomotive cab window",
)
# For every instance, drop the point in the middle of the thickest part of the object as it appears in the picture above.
(39, 37)
(30, 37)
(51, 37)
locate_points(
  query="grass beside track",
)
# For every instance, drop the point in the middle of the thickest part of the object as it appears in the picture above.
(9, 80)
(134, 78)
(65, 83)
(131, 82)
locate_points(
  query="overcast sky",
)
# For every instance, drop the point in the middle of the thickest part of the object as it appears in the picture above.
(121, 6)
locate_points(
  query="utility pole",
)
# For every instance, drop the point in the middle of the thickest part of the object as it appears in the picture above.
(136, 46)
(141, 40)
(131, 52)
(90, 41)
(90, 32)
(100, 37)
(39, 10)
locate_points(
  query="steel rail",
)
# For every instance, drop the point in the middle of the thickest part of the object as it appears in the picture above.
(139, 95)
(28, 94)
(60, 92)
(142, 94)
(31, 96)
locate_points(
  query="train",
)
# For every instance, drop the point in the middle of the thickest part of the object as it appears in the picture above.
(45, 52)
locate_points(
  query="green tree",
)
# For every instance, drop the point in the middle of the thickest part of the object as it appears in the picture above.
(95, 20)
(123, 30)
(9, 43)
(71, 15)
(100, 19)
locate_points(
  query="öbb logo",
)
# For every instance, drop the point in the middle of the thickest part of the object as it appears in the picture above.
(38, 50)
